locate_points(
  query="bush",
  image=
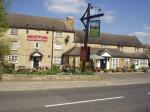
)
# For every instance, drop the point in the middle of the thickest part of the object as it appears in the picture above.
(144, 70)
(7, 67)
(53, 71)
(88, 72)
(132, 66)
(106, 70)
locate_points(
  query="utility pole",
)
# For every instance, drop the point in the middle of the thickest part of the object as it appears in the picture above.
(85, 19)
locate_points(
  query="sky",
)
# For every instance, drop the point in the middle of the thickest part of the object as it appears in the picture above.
(125, 17)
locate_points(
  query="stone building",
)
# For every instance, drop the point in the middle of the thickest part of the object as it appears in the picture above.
(110, 51)
(43, 41)
(36, 40)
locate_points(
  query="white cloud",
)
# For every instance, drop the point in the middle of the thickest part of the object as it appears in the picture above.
(65, 6)
(140, 34)
(108, 16)
(147, 27)
(143, 36)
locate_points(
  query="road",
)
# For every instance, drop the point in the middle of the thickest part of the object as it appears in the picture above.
(127, 98)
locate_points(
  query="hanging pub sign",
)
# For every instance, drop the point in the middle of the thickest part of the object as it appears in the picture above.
(94, 28)
(37, 38)
(84, 54)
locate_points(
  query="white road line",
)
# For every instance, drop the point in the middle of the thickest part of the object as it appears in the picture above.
(86, 101)
(148, 93)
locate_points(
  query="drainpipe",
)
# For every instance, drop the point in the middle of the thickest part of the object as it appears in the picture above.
(52, 46)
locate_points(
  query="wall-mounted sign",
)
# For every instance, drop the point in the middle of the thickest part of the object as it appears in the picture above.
(37, 38)
(94, 28)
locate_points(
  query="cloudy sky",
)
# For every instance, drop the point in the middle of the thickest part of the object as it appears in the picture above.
(129, 17)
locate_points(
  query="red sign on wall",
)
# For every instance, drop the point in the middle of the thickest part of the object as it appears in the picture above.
(37, 38)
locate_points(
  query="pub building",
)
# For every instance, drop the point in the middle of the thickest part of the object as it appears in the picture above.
(42, 41)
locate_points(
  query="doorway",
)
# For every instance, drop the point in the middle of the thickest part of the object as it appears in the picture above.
(36, 61)
(103, 64)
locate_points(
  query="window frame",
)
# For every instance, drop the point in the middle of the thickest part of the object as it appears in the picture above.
(14, 31)
(57, 60)
(58, 46)
(14, 45)
(13, 58)
(58, 35)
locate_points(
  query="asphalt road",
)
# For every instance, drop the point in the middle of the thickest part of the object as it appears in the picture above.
(128, 98)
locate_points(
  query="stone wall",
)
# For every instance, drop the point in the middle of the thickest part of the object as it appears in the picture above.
(12, 78)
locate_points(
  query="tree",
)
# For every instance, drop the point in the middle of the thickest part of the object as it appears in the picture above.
(4, 42)
(3, 13)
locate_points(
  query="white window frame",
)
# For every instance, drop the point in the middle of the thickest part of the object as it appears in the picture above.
(127, 62)
(58, 35)
(13, 58)
(14, 46)
(104, 46)
(136, 49)
(14, 31)
(57, 60)
(115, 63)
(121, 48)
(58, 46)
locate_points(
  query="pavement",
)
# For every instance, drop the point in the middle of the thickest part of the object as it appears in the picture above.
(107, 80)
(125, 98)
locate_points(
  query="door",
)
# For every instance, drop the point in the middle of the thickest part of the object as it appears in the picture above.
(103, 64)
(36, 62)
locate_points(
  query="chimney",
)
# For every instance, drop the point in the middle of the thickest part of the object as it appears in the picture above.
(70, 21)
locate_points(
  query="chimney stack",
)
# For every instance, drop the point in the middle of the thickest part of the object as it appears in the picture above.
(70, 21)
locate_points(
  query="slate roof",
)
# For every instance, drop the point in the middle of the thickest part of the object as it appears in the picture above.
(109, 39)
(75, 51)
(35, 22)
(147, 53)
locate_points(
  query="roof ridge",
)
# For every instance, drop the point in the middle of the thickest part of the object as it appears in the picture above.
(37, 16)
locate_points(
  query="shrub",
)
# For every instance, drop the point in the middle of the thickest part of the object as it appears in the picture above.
(88, 72)
(105, 70)
(132, 66)
(8, 68)
(144, 70)
(88, 66)
(66, 67)
(114, 70)
(53, 71)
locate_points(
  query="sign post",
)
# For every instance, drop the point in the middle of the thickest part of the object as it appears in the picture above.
(85, 19)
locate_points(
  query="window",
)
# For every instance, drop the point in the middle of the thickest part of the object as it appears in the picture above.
(14, 45)
(58, 46)
(76, 62)
(58, 34)
(144, 62)
(127, 62)
(115, 63)
(47, 32)
(57, 60)
(13, 58)
(104, 46)
(136, 62)
(27, 31)
(37, 45)
(136, 49)
(121, 48)
(14, 31)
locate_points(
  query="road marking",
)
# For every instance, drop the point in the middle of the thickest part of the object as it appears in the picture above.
(86, 101)
(148, 93)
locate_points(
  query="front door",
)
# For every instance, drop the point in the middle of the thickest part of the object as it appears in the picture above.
(103, 64)
(36, 62)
